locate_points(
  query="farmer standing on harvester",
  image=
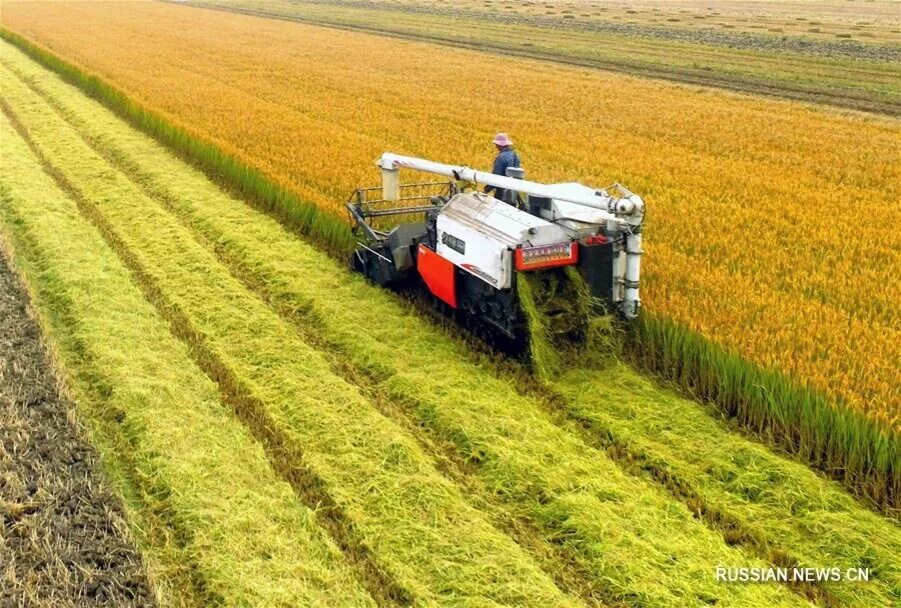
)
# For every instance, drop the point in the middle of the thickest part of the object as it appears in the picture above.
(506, 158)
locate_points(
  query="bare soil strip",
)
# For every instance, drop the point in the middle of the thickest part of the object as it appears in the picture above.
(63, 535)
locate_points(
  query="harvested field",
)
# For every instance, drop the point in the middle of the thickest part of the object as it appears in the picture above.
(213, 522)
(64, 540)
(849, 62)
(875, 21)
(586, 507)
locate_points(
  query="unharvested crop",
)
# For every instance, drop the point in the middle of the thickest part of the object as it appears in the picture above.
(747, 196)
(510, 450)
(857, 75)
(634, 543)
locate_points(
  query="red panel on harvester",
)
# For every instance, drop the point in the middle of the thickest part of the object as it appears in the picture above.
(547, 256)
(438, 273)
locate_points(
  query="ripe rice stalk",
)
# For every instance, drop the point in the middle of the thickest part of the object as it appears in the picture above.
(866, 472)
(852, 448)
(314, 127)
(516, 451)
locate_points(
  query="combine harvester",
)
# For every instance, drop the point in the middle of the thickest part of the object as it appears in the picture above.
(470, 249)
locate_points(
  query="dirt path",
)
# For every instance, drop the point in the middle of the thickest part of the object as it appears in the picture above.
(62, 530)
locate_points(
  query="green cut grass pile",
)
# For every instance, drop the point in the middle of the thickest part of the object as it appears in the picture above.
(790, 511)
(847, 445)
(638, 545)
(378, 488)
(843, 443)
(215, 524)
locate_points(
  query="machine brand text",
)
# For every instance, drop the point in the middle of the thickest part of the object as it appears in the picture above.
(457, 244)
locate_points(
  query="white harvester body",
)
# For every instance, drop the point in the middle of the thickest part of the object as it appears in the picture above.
(480, 234)
(468, 247)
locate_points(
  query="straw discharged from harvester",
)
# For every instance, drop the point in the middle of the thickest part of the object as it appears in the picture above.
(531, 263)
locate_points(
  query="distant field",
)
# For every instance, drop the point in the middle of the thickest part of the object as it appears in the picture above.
(871, 20)
(838, 52)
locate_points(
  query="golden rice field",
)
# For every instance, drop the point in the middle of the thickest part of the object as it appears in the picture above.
(272, 449)
(772, 226)
(276, 431)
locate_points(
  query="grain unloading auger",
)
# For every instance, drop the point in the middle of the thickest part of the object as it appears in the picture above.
(468, 248)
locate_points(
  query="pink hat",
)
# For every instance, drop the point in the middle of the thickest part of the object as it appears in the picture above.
(501, 139)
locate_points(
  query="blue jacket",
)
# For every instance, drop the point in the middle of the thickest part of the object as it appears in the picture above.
(505, 158)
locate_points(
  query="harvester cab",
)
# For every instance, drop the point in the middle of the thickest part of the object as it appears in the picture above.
(468, 248)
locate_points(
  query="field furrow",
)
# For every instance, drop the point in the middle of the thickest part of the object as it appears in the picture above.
(215, 524)
(381, 490)
(618, 528)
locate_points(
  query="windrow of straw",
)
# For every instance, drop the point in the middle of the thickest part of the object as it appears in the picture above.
(787, 510)
(215, 524)
(636, 544)
(566, 324)
(379, 494)
(858, 451)
(871, 470)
